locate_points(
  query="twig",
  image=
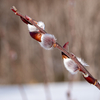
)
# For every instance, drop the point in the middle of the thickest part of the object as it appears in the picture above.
(82, 69)
(27, 19)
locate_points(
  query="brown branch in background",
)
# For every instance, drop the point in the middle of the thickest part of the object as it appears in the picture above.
(71, 4)
(82, 69)
(22, 92)
(70, 85)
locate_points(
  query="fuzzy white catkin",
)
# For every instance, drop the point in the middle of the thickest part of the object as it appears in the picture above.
(82, 62)
(71, 66)
(32, 28)
(41, 24)
(47, 41)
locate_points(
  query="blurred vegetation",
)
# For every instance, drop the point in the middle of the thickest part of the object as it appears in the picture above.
(22, 60)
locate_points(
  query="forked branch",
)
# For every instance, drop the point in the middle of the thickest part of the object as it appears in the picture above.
(82, 69)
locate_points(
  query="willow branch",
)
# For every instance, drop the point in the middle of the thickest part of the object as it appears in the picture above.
(27, 19)
(82, 69)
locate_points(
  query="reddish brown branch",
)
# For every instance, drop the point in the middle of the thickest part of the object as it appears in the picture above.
(82, 69)
(27, 19)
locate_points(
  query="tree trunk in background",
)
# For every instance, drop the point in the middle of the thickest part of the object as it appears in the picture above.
(48, 64)
(4, 59)
(24, 47)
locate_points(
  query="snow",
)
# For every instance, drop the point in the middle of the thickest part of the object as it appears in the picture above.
(57, 91)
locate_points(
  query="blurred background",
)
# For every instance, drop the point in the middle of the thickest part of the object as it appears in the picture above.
(23, 61)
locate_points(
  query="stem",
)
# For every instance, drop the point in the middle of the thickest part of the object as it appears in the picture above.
(73, 57)
(29, 21)
(57, 45)
(81, 67)
(98, 85)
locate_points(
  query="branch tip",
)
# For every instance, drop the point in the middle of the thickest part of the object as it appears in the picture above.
(14, 8)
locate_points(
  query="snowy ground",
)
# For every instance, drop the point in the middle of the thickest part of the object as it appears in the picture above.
(57, 91)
